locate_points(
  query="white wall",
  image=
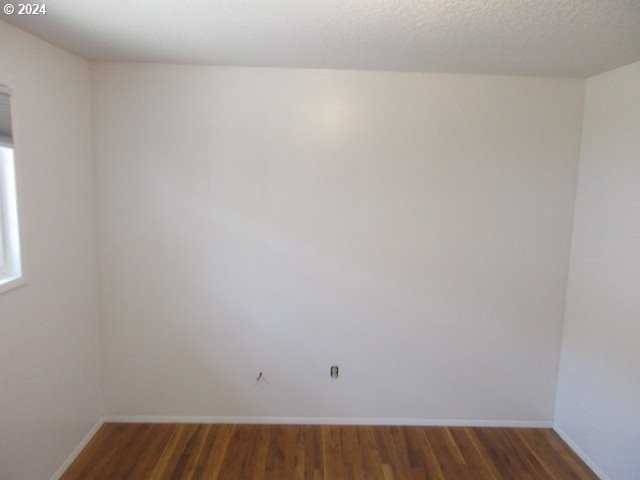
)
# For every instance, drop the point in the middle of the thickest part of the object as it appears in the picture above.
(50, 394)
(598, 402)
(413, 229)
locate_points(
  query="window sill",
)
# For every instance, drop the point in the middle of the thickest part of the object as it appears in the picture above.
(10, 283)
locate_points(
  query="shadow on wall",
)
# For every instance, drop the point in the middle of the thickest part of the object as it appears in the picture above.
(258, 296)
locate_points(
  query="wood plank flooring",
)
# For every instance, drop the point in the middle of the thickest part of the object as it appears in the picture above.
(280, 452)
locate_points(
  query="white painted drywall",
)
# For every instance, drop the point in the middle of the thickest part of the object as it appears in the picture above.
(413, 229)
(599, 384)
(50, 393)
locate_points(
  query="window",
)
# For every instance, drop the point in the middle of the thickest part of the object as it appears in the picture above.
(10, 261)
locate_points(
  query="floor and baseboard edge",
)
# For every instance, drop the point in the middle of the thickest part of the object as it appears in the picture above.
(76, 451)
(328, 421)
(581, 453)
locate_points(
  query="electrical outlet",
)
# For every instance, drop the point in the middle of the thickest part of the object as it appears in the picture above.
(334, 371)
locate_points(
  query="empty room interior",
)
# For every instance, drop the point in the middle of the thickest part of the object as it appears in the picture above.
(320, 239)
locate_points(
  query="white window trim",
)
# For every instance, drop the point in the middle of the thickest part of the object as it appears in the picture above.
(9, 282)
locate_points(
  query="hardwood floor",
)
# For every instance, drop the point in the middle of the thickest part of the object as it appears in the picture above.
(203, 451)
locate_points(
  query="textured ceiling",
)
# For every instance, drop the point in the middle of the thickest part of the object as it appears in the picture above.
(575, 38)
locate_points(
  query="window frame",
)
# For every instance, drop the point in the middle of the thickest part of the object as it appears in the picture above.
(11, 255)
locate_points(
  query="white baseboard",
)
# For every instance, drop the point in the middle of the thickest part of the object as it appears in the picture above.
(327, 421)
(581, 453)
(76, 451)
